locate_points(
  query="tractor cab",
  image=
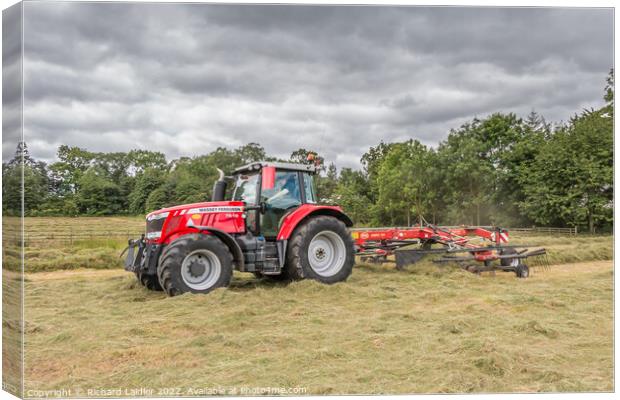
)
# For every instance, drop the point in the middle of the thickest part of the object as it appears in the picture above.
(270, 190)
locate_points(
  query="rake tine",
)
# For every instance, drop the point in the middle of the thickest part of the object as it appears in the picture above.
(542, 262)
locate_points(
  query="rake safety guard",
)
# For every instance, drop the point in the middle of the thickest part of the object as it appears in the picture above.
(408, 257)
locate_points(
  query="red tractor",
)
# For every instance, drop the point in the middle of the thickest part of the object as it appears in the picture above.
(272, 226)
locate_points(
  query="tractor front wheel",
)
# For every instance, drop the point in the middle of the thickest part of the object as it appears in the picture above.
(150, 282)
(321, 249)
(195, 263)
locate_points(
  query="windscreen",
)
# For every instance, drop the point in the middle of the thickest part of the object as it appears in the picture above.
(246, 188)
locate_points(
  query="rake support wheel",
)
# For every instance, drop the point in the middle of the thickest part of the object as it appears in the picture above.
(522, 271)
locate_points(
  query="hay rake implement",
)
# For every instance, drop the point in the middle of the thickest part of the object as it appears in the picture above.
(475, 249)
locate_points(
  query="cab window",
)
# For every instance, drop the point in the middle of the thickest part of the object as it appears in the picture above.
(309, 188)
(285, 193)
(245, 189)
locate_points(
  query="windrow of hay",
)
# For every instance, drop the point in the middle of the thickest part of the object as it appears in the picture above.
(103, 252)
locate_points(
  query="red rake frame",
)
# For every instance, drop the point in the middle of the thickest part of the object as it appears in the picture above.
(485, 245)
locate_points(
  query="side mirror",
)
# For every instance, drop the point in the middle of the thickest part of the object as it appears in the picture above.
(261, 207)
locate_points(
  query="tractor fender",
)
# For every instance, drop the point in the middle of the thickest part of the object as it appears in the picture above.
(304, 212)
(228, 240)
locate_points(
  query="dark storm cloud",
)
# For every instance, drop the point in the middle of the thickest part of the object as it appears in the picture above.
(184, 79)
(11, 80)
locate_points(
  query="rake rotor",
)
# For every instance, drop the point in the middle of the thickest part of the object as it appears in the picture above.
(476, 249)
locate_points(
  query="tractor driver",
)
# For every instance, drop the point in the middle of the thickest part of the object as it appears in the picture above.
(286, 191)
(284, 196)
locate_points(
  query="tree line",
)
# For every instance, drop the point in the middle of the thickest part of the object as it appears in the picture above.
(500, 170)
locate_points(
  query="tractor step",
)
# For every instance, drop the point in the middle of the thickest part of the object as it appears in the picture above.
(271, 266)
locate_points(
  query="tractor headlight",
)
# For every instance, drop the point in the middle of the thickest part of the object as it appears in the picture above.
(153, 235)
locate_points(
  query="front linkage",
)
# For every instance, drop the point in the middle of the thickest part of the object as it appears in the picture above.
(141, 256)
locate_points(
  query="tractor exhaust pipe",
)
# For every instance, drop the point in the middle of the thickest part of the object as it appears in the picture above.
(219, 188)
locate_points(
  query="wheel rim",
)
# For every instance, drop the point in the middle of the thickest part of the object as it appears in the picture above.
(201, 269)
(327, 253)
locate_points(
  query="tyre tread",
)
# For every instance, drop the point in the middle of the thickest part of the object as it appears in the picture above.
(172, 257)
(295, 268)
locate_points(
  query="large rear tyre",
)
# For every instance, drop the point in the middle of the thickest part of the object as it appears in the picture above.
(321, 249)
(195, 263)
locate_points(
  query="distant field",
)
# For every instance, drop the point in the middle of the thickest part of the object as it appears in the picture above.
(427, 329)
(96, 242)
(67, 243)
(67, 229)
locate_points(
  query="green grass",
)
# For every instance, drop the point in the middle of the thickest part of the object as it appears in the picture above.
(11, 316)
(54, 243)
(11, 333)
(427, 329)
(570, 249)
(103, 253)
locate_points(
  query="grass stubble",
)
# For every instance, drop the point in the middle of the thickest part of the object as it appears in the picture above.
(424, 330)
(429, 329)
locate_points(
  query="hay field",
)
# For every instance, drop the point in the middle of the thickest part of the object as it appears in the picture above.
(92, 330)
(428, 329)
(96, 242)
(67, 243)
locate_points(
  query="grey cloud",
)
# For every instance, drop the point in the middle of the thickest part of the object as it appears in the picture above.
(184, 79)
(11, 80)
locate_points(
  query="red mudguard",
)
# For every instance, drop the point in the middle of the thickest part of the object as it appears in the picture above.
(301, 213)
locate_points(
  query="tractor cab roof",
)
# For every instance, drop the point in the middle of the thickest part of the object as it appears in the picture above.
(257, 165)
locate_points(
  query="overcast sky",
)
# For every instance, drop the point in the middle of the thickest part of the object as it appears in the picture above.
(185, 79)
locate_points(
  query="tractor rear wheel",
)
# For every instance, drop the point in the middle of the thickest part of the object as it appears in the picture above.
(321, 249)
(195, 263)
(150, 282)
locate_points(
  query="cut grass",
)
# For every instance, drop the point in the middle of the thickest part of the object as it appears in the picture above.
(54, 243)
(427, 329)
(103, 253)
(45, 227)
(571, 249)
(11, 332)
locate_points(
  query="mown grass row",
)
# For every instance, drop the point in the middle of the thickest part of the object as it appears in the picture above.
(103, 253)
(95, 253)
(569, 249)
